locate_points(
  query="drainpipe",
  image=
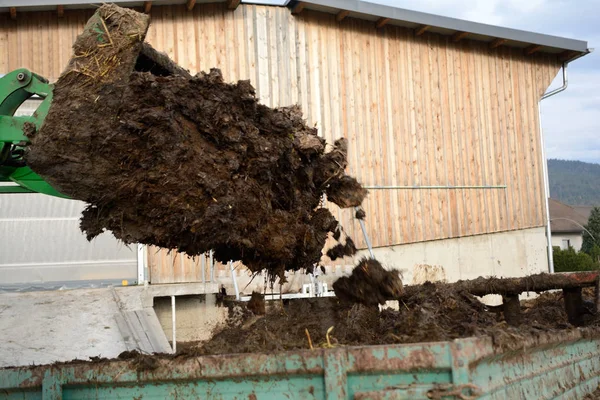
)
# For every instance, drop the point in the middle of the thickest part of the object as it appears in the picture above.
(545, 162)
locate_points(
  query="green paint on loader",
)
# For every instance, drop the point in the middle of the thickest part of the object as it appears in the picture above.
(15, 88)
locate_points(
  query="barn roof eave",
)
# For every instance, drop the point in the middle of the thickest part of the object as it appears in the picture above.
(568, 49)
(531, 42)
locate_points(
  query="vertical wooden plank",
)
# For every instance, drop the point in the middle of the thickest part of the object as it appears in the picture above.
(301, 67)
(323, 76)
(175, 271)
(380, 108)
(335, 68)
(4, 53)
(196, 16)
(538, 78)
(262, 55)
(479, 213)
(462, 139)
(30, 59)
(446, 90)
(190, 41)
(151, 34)
(472, 208)
(292, 61)
(516, 138)
(432, 216)
(169, 269)
(395, 137)
(163, 269)
(451, 133)
(509, 132)
(376, 133)
(156, 39)
(64, 41)
(187, 264)
(403, 135)
(349, 100)
(282, 47)
(314, 72)
(536, 166)
(426, 155)
(345, 217)
(239, 53)
(42, 20)
(437, 173)
(207, 56)
(334, 61)
(353, 89)
(55, 66)
(502, 141)
(23, 36)
(218, 19)
(389, 84)
(179, 36)
(488, 211)
(519, 134)
(416, 129)
(273, 55)
(524, 110)
(160, 275)
(12, 44)
(214, 37)
(358, 78)
(169, 35)
(229, 33)
(373, 134)
(490, 108)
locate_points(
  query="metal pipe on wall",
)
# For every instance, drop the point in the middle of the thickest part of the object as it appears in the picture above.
(365, 235)
(174, 324)
(394, 187)
(547, 183)
(563, 87)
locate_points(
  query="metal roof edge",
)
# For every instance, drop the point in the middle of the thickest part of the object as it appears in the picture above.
(421, 18)
(372, 9)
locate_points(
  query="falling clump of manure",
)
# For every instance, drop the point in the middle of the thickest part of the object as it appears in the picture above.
(183, 162)
(369, 284)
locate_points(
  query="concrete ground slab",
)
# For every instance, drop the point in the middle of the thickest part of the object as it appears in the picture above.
(48, 326)
(45, 327)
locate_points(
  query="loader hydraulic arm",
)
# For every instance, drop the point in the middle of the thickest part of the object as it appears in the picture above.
(15, 88)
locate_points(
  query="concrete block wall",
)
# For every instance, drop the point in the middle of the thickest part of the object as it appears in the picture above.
(504, 254)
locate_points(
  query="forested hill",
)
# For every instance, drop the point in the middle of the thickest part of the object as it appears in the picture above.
(575, 183)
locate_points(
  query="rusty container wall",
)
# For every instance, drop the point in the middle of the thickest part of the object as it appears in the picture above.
(554, 365)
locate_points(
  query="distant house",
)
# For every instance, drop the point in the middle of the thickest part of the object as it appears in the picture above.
(567, 224)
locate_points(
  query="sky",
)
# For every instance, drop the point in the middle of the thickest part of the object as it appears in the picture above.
(571, 119)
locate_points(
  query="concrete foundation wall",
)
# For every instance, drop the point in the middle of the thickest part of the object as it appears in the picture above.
(505, 254)
(196, 317)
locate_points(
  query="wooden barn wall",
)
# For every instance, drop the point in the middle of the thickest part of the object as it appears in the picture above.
(421, 111)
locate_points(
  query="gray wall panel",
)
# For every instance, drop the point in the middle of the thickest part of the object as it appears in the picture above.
(41, 244)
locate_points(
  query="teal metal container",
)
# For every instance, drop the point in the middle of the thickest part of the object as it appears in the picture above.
(552, 366)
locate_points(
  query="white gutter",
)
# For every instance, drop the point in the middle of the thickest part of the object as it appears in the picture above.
(545, 162)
